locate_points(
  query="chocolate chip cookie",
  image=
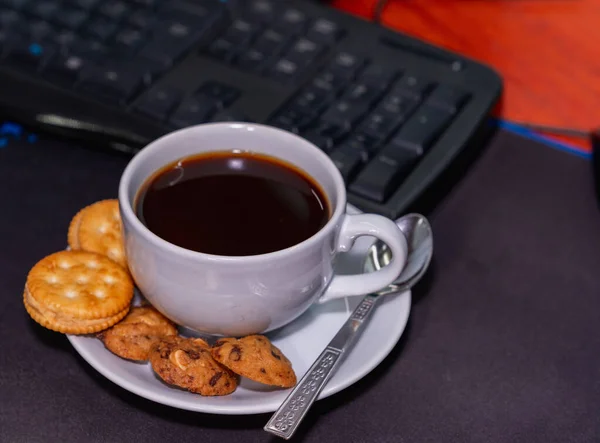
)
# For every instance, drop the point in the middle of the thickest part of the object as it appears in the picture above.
(256, 358)
(134, 337)
(187, 363)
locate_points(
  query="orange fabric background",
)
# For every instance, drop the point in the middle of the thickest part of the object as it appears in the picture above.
(548, 51)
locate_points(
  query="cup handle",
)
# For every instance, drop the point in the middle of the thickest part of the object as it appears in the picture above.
(382, 228)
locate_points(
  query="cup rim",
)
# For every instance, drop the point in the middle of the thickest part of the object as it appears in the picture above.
(128, 212)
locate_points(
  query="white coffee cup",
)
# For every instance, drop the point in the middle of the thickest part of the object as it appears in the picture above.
(254, 294)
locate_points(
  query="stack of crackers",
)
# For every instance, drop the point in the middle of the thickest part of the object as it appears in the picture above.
(88, 290)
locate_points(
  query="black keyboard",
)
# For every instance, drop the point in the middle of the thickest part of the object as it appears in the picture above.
(391, 111)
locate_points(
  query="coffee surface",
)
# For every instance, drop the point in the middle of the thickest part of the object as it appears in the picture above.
(232, 204)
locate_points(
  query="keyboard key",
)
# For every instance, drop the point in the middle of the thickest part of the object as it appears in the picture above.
(166, 51)
(260, 10)
(325, 31)
(40, 30)
(421, 130)
(382, 176)
(172, 38)
(222, 95)
(148, 69)
(114, 81)
(363, 93)
(84, 4)
(113, 10)
(146, 3)
(65, 68)
(322, 142)
(380, 124)
(100, 28)
(44, 9)
(330, 130)
(395, 153)
(16, 4)
(378, 75)
(9, 19)
(158, 102)
(394, 110)
(128, 39)
(447, 98)
(345, 114)
(194, 15)
(252, 59)
(142, 19)
(291, 21)
(345, 65)
(193, 111)
(293, 120)
(240, 32)
(412, 86)
(182, 25)
(304, 51)
(6, 38)
(65, 38)
(71, 18)
(227, 49)
(270, 42)
(284, 126)
(174, 29)
(194, 12)
(89, 50)
(222, 49)
(284, 70)
(30, 55)
(312, 99)
(364, 142)
(229, 115)
(330, 82)
(348, 161)
(399, 105)
(355, 145)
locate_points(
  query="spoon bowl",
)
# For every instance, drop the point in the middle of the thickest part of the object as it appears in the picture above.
(419, 238)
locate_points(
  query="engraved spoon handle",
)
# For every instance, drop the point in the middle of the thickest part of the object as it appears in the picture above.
(290, 414)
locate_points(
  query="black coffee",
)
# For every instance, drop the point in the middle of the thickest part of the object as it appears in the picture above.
(232, 204)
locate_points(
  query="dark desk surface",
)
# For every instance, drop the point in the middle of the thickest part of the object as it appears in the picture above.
(503, 343)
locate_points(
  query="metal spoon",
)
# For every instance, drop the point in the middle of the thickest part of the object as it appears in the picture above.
(292, 411)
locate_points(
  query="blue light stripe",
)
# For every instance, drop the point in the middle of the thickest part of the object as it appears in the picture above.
(531, 135)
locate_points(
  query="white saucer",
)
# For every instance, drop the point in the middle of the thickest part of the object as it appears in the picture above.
(301, 341)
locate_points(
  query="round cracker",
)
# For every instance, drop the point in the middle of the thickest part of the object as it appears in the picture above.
(99, 230)
(80, 285)
(66, 325)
